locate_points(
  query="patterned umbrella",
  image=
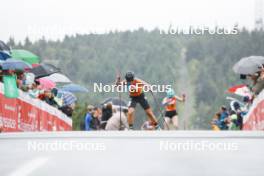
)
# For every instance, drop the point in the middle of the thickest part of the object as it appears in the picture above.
(67, 97)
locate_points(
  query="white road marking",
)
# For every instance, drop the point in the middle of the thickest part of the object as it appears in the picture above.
(29, 166)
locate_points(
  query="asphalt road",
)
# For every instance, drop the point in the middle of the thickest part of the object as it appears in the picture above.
(132, 153)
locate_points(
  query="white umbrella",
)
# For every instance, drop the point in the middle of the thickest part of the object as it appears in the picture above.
(249, 65)
(58, 78)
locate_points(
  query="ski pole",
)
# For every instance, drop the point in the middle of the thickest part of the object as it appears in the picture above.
(157, 104)
(120, 98)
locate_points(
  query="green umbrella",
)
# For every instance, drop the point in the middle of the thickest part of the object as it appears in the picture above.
(25, 55)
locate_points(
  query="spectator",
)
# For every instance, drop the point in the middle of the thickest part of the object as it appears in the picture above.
(235, 106)
(57, 98)
(257, 82)
(223, 118)
(116, 122)
(107, 112)
(247, 102)
(88, 118)
(233, 121)
(33, 90)
(215, 123)
(21, 81)
(95, 122)
(68, 110)
(29, 78)
(49, 98)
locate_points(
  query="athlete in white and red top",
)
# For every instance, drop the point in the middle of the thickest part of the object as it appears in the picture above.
(171, 114)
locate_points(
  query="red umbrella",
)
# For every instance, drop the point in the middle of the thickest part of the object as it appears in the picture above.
(46, 83)
(35, 65)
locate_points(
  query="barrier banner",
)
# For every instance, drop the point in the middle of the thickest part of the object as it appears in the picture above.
(27, 114)
(255, 117)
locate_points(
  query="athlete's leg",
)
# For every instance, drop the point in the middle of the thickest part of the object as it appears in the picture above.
(167, 123)
(131, 116)
(131, 112)
(151, 116)
(175, 122)
(145, 105)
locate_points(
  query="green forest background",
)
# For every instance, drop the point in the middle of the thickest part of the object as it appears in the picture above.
(198, 65)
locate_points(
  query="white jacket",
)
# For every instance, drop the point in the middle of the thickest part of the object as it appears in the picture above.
(114, 122)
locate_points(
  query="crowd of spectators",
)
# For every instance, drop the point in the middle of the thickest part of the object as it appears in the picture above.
(231, 117)
(28, 84)
(107, 117)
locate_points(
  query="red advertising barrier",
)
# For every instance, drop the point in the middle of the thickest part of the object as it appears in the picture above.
(27, 114)
(255, 117)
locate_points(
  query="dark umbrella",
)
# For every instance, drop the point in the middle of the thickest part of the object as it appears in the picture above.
(116, 102)
(44, 70)
(4, 55)
(4, 47)
(74, 88)
(14, 64)
(249, 65)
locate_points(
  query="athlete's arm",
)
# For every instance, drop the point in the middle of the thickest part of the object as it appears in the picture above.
(182, 98)
(144, 82)
(164, 101)
(120, 82)
(167, 101)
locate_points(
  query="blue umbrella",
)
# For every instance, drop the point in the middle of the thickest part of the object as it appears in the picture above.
(4, 55)
(74, 88)
(67, 97)
(14, 64)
